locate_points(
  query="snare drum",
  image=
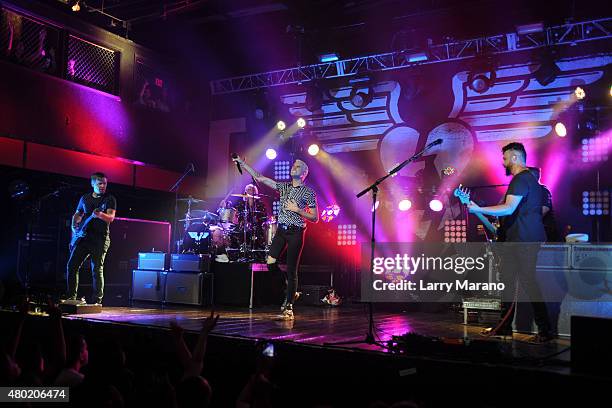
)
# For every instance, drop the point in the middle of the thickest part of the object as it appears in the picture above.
(228, 216)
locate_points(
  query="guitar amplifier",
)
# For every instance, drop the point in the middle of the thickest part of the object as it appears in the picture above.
(152, 261)
(189, 288)
(592, 257)
(190, 262)
(556, 256)
(148, 285)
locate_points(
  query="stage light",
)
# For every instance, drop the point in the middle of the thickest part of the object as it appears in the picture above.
(560, 129)
(313, 149)
(271, 154)
(282, 170)
(436, 205)
(330, 57)
(276, 207)
(330, 212)
(360, 99)
(417, 57)
(547, 72)
(596, 149)
(610, 90)
(76, 7)
(404, 205)
(347, 234)
(301, 122)
(579, 92)
(455, 231)
(280, 125)
(314, 98)
(595, 203)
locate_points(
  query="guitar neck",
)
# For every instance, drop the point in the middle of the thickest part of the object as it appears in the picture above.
(488, 225)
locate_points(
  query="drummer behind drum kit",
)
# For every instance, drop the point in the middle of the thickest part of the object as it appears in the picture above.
(247, 233)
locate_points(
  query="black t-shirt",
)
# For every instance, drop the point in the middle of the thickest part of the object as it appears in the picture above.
(95, 227)
(525, 223)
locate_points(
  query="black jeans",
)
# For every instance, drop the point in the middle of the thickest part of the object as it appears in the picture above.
(293, 239)
(95, 249)
(519, 265)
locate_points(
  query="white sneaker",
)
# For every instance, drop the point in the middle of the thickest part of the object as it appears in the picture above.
(73, 302)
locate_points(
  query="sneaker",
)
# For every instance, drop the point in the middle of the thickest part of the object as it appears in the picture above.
(541, 338)
(287, 314)
(296, 297)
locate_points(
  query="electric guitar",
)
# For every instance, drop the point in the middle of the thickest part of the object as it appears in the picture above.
(463, 194)
(81, 230)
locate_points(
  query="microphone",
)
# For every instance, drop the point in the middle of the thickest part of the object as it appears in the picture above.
(235, 156)
(434, 143)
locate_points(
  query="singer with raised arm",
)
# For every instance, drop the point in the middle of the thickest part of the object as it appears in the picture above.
(298, 204)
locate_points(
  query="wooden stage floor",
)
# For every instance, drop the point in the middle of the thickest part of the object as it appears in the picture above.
(320, 325)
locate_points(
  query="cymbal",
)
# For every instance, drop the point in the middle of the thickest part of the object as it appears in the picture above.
(245, 196)
(193, 200)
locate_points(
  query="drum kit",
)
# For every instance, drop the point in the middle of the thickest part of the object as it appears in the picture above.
(244, 232)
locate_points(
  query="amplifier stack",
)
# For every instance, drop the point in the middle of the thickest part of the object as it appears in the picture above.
(186, 280)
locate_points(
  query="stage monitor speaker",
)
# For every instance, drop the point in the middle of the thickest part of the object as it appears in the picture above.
(554, 256)
(152, 261)
(148, 285)
(190, 262)
(189, 288)
(129, 237)
(591, 351)
(593, 257)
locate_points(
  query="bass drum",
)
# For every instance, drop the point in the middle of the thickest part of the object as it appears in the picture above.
(197, 239)
(220, 238)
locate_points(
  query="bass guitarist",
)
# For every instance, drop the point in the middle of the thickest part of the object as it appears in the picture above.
(91, 237)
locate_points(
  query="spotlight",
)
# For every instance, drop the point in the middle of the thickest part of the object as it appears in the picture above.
(436, 205)
(480, 83)
(314, 98)
(595, 203)
(547, 72)
(361, 99)
(301, 123)
(347, 235)
(313, 149)
(404, 205)
(580, 94)
(560, 129)
(271, 154)
(76, 7)
(610, 90)
(330, 212)
(280, 125)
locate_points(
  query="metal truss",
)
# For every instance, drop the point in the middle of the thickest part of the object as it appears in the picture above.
(567, 34)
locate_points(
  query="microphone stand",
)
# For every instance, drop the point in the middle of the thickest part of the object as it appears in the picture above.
(175, 188)
(369, 337)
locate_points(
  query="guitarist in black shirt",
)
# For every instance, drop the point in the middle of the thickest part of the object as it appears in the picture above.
(90, 237)
(521, 222)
